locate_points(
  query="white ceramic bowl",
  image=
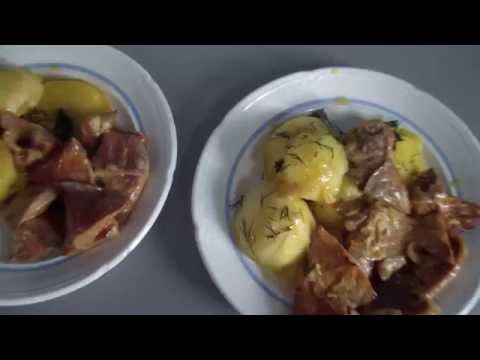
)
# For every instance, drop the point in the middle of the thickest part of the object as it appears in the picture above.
(135, 93)
(230, 157)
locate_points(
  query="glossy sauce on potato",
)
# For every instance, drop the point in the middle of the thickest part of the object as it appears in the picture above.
(272, 229)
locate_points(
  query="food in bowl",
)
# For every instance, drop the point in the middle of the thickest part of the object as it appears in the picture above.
(364, 221)
(70, 177)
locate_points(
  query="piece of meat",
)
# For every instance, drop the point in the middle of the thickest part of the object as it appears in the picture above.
(36, 239)
(435, 261)
(33, 201)
(90, 214)
(93, 127)
(387, 267)
(385, 184)
(461, 215)
(308, 303)
(122, 164)
(354, 212)
(368, 146)
(383, 235)
(28, 142)
(123, 152)
(399, 292)
(334, 282)
(39, 117)
(428, 195)
(67, 163)
(423, 191)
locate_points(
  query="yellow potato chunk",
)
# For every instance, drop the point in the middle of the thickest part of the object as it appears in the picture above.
(348, 190)
(272, 229)
(312, 168)
(275, 145)
(327, 215)
(408, 156)
(20, 90)
(8, 173)
(77, 98)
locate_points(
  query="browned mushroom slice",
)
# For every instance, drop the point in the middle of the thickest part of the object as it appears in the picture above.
(333, 278)
(385, 184)
(28, 142)
(68, 163)
(90, 214)
(36, 239)
(28, 204)
(121, 164)
(383, 235)
(93, 127)
(368, 147)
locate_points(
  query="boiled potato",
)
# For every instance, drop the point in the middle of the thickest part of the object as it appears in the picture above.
(348, 190)
(273, 151)
(8, 173)
(20, 90)
(300, 124)
(77, 98)
(271, 229)
(327, 215)
(275, 145)
(312, 168)
(408, 156)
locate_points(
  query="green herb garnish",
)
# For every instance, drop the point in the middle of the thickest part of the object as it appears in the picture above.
(393, 123)
(284, 213)
(263, 197)
(325, 147)
(296, 157)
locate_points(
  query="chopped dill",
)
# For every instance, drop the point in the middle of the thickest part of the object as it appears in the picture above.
(393, 123)
(325, 147)
(276, 233)
(296, 157)
(273, 232)
(284, 213)
(247, 233)
(263, 197)
(279, 165)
